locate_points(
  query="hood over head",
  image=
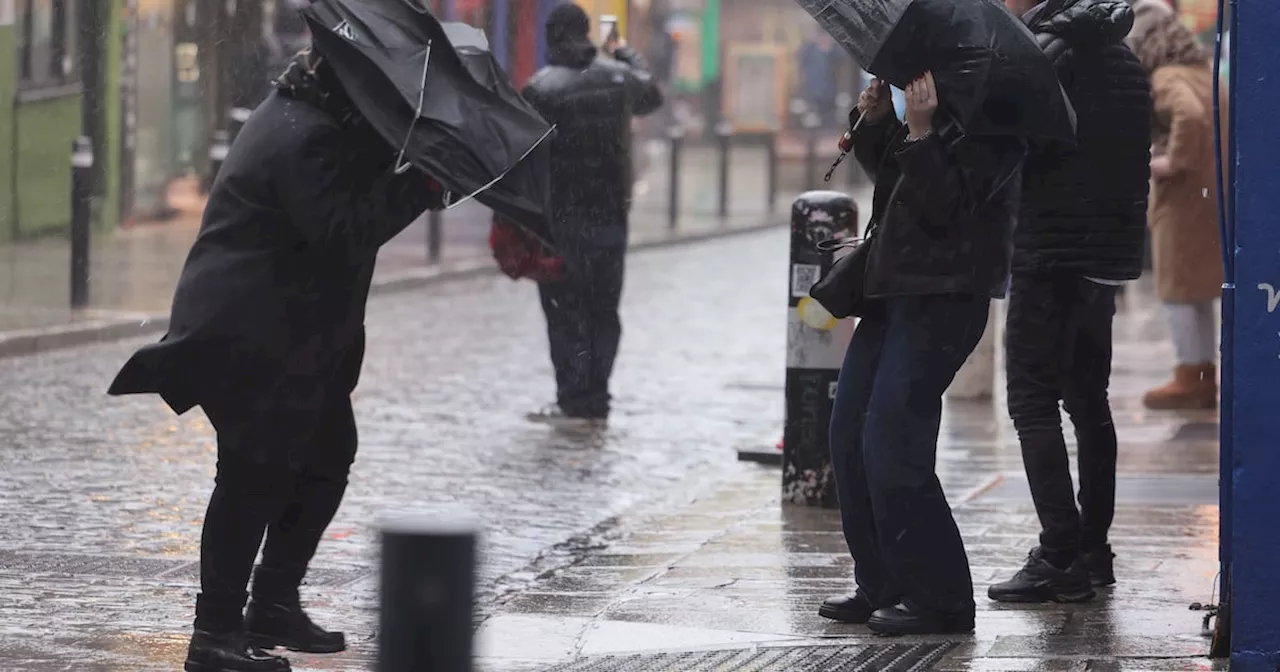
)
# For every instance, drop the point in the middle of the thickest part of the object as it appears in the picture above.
(568, 37)
(1094, 23)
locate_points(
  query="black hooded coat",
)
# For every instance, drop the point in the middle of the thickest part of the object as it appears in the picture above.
(271, 301)
(591, 99)
(1084, 207)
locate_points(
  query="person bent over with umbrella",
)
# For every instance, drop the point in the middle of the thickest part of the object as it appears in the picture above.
(943, 218)
(267, 336)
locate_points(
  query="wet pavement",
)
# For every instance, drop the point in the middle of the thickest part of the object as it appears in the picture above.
(729, 569)
(650, 538)
(134, 270)
(101, 499)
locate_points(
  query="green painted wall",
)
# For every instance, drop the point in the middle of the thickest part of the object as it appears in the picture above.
(8, 73)
(45, 131)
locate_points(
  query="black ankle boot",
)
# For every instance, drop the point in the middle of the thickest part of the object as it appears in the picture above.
(285, 624)
(229, 652)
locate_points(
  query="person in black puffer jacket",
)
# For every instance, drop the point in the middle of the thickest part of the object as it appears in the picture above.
(592, 101)
(1080, 236)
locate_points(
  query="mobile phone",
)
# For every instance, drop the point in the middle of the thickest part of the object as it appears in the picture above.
(608, 28)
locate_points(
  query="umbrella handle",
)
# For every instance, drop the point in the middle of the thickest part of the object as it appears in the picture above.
(844, 152)
(403, 166)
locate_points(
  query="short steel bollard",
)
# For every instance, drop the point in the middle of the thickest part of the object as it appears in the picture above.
(435, 219)
(81, 218)
(816, 344)
(676, 135)
(218, 150)
(724, 134)
(428, 586)
(811, 127)
(771, 171)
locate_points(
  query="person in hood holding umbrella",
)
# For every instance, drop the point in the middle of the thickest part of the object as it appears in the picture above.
(941, 240)
(592, 101)
(267, 336)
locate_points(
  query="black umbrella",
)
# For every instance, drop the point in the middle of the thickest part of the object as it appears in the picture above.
(991, 75)
(434, 91)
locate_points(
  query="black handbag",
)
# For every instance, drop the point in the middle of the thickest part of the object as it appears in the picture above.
(842, 290)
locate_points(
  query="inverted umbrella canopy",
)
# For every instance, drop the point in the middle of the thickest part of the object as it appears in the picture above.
(991, 75)
(434, 91)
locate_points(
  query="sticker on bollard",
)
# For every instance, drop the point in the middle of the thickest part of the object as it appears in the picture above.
(816, 344)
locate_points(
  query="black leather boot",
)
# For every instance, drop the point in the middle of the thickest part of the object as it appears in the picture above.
(230, 652)
(286, 624)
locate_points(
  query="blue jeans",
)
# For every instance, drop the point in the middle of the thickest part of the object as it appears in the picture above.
(884, 444)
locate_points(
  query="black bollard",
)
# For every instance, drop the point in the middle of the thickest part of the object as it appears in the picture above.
(81, 216)
(724, 134)
(218, 150)
(771, 170)
(811, 125)
(676, 135)
(434, 220)
(236, 117)
(428, 586)
(816, 344)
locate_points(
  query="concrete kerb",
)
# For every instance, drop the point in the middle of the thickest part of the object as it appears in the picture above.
(109, 328)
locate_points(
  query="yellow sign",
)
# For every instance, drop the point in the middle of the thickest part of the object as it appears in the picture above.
(598, 8)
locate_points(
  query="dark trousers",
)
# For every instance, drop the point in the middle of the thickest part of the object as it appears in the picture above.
(1058, 348)
(281, 472)
(584, 329)
(884, 443)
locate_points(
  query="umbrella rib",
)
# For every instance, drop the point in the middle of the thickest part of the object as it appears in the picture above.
(401, 165)
(503, 174)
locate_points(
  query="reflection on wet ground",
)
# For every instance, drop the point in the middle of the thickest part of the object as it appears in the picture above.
(654, 538)
(735, 569)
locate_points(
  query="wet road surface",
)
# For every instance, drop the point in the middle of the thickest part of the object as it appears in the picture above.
(732, 569)
(651, 538)
(101, 499)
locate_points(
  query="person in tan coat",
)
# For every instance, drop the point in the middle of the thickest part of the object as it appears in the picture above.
(1183, 208)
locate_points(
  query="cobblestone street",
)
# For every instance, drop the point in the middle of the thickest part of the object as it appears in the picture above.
(652, 538)
(101, 499)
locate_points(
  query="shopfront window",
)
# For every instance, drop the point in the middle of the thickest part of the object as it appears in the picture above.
(46, 51)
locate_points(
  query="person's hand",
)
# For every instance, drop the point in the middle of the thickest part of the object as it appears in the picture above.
(922, 102)
(614, 44)
(1161, 166)
(875, 102)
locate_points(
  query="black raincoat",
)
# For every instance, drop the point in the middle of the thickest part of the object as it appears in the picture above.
(272, 298)
(1084, 206)
(944, 210)
(591, 100)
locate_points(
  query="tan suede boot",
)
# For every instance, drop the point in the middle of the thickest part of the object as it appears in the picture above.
(1194, 387)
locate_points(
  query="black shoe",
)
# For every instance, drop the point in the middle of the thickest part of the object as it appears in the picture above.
(901, 620)
(855, 608)
(1100, 565)
(230, 652)
(1040, 581)
(286, 625)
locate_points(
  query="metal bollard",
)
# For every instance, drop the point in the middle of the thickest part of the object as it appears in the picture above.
(428, 586)
(81, 216)
(724, 134)
(811, 124)
(771, 171)
(676, 135)
(237, 117)
(434, 221)
(816, 344)
(218, 150)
